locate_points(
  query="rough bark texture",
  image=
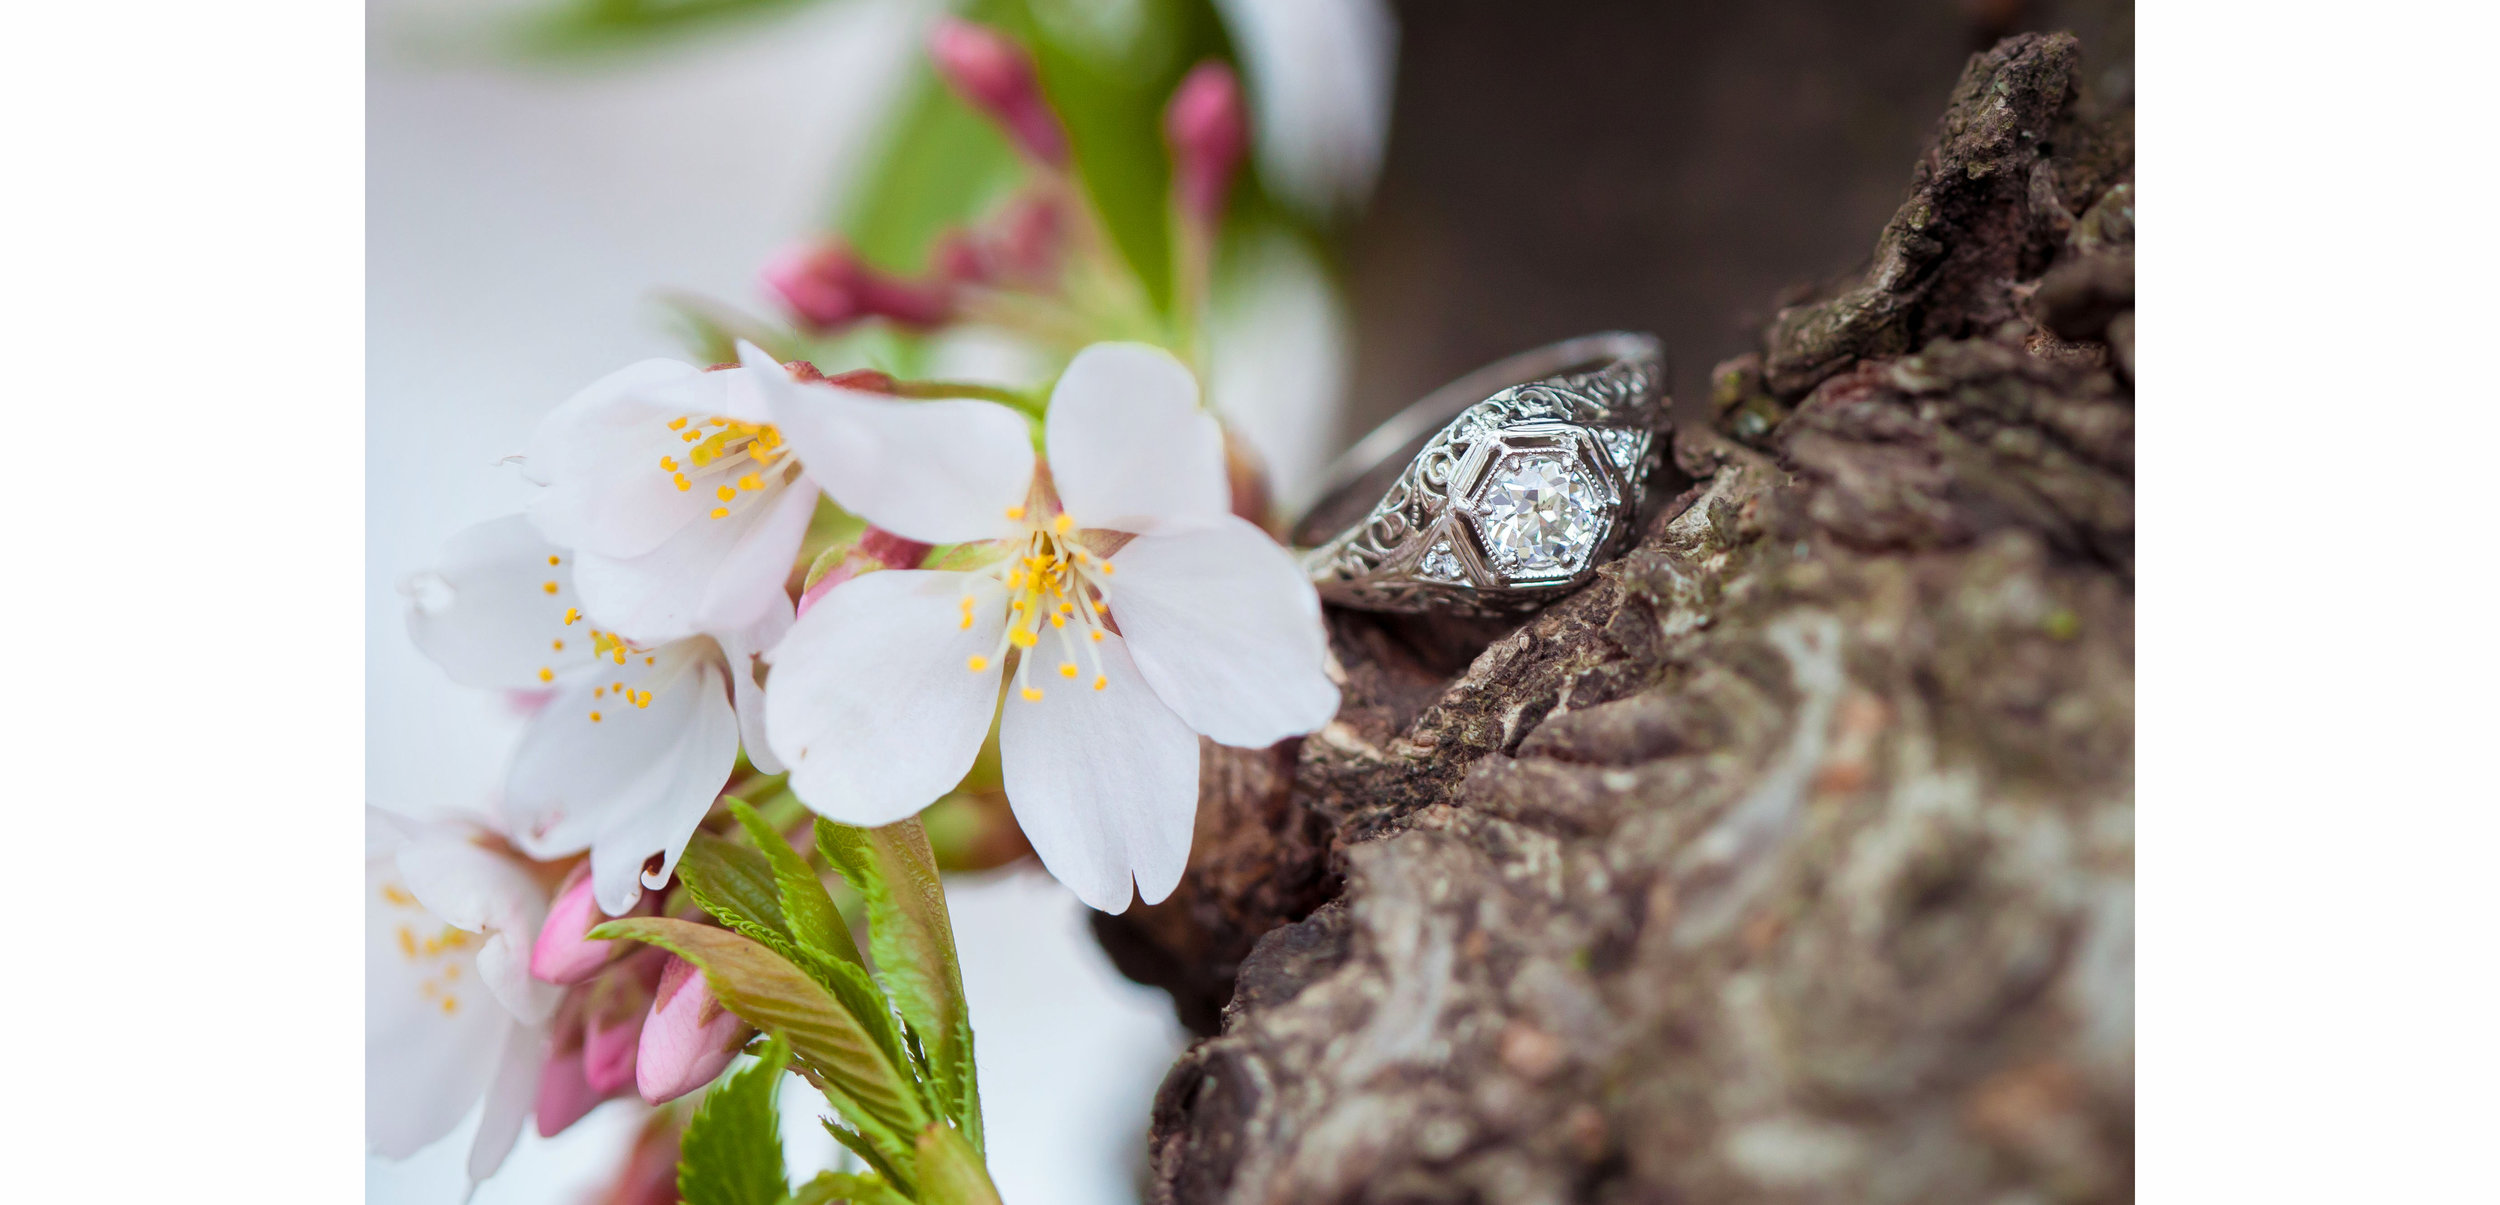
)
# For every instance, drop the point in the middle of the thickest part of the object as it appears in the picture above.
(1792, 859)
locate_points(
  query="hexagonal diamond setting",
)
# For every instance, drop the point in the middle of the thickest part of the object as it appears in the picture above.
(1539, 515)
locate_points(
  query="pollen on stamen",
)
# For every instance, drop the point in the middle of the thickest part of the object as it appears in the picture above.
(750, 483)
(976, 663)
(1101, 681)
(683, 485)
(546, 674)
(1032, 694)
(555, 560)
(1062, 524)
(594, 717)
(720, 512)
(668, 464)
(549, 587)
(451, 1004)
(559, 645)
(690, 437)
(1095, 635)
(571, 614)
(724, 493)
(650, 660)
(1059, 621)
(678, 423)
(1015, 512)
(1067, 669)
(1022, 638)
(598, 692)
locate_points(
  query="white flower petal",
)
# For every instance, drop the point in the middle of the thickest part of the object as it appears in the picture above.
(425, 1065)
(1227, 629)
(1321, 77)
(486, 893)
(484, 612)
(636, 781)
(599, 455)
(871, 703)
(1103, 782)
(941, 472)
(508, 1100)
(1129, 448)
(713, 575)
(741, 648)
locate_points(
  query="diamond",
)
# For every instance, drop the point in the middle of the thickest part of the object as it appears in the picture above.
(1539, 515)
(1440, 564)
(1621, 445)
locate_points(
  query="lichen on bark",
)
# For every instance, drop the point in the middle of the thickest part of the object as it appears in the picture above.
(1790, 860)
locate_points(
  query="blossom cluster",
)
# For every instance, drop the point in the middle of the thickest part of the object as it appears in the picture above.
(852, 592)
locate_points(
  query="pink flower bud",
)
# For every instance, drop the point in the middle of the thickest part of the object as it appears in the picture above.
(990, 70)
(612, 1020)
(688, 1038)
(828, 287)
(564, 953)
(1206, 129)
(565, 1093)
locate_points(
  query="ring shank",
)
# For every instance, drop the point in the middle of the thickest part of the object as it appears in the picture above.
(1356, 479)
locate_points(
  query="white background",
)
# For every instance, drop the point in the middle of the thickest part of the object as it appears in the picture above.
(183, 338)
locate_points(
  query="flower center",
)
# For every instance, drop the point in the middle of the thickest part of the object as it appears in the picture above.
(1056, 590)
(440, 954)
(732, 461)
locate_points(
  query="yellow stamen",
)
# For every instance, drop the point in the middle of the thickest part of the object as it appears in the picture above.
(407, 941)
(450, 1005)
(555, 560)
(720, 512)
(668, 464)
(571, 614)
(1015, 512)
(724, 493)
(1022, 638)
(594, 717)
(650, 660)
(559, 646)
(598, 692)
(1058, 621)
(1095, 635)
(682, 484)
(690, 437)
(549, 587)
(546, 674)
(678, 423)
(1067, 669)
(1032, 694)
(976, 663)
(1062, 524)
(1101, 681)
(750, 483)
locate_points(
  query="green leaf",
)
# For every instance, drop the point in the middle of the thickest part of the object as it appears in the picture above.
(874, 1157)
(582, 26)
(951, 1171)
(807, 909)
(855, 1188)
(942, 164)
(734, 884)
(731, 1154)
(837, 1051)
(896, 876)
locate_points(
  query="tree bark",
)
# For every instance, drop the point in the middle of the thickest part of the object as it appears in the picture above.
(1791, 860)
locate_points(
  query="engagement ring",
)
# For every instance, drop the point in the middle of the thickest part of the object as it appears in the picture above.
(1497, 492)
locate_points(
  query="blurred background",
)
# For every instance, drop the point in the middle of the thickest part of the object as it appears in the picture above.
(539, 176)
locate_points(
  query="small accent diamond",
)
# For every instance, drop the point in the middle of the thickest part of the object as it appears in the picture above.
(1620, 445)
(1440, 564)
(1539, 515)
